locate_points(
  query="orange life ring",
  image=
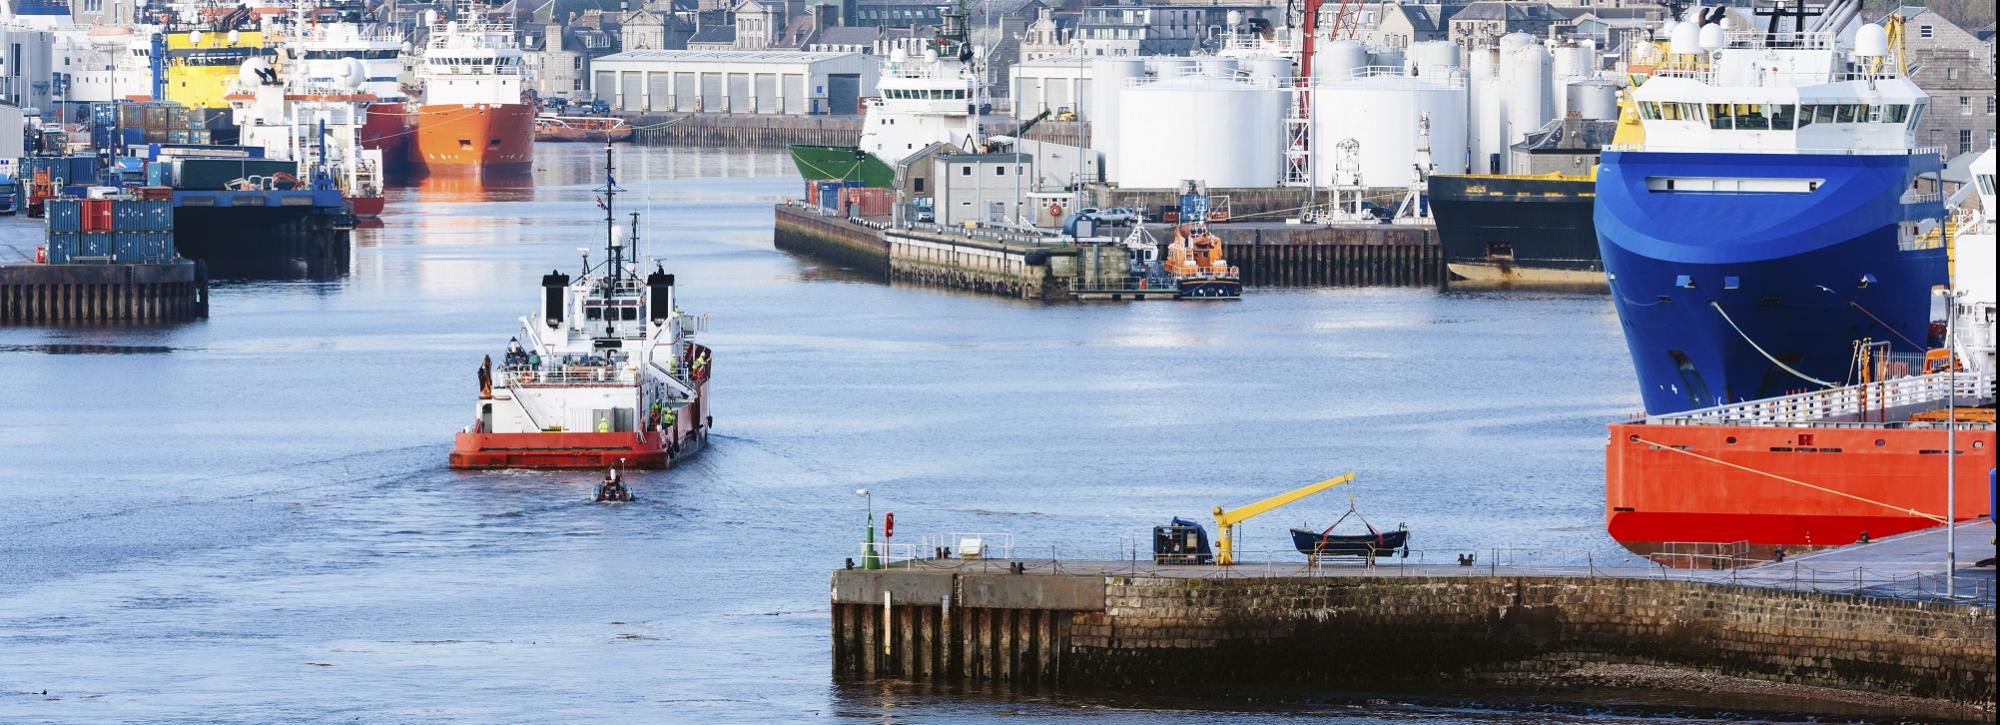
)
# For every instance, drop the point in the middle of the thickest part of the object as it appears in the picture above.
(1055, 209)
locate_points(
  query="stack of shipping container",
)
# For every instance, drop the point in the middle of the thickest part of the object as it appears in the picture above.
(111, 231)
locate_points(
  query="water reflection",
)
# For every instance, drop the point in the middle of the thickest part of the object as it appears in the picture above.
(459, 189)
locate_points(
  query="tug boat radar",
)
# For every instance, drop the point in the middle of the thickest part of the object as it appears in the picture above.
(606, 374)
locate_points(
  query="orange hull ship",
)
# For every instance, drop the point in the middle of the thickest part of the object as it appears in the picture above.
(1798, 473)
(485, 140)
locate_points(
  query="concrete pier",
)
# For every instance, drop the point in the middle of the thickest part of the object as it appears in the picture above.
(1018, 266)
(66, 294)
(743, 130)
(1134, 625)
(101, 293)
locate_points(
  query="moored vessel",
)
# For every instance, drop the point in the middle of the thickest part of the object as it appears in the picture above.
(1754, 480)
(473, 119)
(606, 372)
(1194, 258)
(601, 129)
(1771, 218)
(929, 95)
(1534, 230)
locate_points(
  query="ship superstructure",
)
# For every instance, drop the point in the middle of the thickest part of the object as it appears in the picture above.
(929, 94)
(606, 371)
(314, 113)
(1772, 218)
(472, 118)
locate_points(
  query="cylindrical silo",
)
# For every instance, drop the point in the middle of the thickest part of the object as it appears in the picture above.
(1223, 132)
(1107, 77)
(1170, 66)
(1219, 67)
(1484, 109)
(1381, 113)
(1339, 59)
(1386, 57)
(1524, 93)
(1594, 100)
(1429, 58)
(1276, 69)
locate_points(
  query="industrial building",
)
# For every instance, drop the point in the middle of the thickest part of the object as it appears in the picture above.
(734, 81)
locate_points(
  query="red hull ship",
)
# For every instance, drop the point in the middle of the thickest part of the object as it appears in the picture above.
(473, 140)
(605, 373)
(646, 450)
(1799, 472)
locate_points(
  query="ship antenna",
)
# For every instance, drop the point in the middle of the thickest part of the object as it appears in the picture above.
(610, 190)
(633, 242)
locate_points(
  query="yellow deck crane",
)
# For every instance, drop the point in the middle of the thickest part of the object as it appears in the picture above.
(1226, 521)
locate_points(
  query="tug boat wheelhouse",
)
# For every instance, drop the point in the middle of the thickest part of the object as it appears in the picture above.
(607, 371)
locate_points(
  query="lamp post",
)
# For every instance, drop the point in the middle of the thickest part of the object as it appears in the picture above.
(1951, 444)
(868, 558)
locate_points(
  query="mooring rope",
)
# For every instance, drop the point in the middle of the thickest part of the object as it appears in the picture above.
(1760, 350)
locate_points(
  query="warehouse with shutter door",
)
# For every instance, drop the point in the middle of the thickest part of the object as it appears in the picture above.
(734, 81)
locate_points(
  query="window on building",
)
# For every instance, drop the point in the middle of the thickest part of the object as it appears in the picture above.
(1965, 105)
(1925, 31)
(964, 171)
(999, 171)
(1965, 140)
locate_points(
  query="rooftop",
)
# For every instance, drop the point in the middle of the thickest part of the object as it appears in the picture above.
(727, 56)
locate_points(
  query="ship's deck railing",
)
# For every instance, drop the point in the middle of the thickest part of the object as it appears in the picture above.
(570, 376)
(1844, 406)
(1850, 151)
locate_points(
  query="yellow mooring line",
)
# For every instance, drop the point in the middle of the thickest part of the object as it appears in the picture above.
(1816, 487)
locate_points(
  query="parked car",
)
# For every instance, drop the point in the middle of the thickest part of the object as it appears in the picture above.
(1115, 216)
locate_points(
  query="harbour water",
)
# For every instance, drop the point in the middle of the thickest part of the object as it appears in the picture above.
(250, 518)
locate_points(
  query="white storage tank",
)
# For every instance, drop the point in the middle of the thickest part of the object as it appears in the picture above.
(1275, 69)
(1572, 62)
(1485, 110)
(1339, 59)
(1594, 100)
(1218, 67)
(1108, 76)
(1171, 66)
(1381, 113)
(1524, 90)
(1431, 59)
(1223, 132)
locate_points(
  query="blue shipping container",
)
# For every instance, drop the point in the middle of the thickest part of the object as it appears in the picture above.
(829, 194)
(160, 246)
(62, 246)
(94, 244)
(65, 215)
(128, 247)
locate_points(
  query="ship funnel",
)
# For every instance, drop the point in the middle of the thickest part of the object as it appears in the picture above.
(660, 287)
(553, 284)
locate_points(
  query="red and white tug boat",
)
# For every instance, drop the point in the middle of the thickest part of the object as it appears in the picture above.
(606, 371)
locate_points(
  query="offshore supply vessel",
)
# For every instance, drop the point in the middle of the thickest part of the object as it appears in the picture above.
(1772, 248)
(1829, 467)
(606, 373)
(930, 96)
(473, 119)
(1769, 220)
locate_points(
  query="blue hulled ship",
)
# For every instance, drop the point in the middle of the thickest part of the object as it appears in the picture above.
(1775, 213)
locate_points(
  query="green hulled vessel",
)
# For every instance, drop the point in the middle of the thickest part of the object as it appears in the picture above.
(844, 163)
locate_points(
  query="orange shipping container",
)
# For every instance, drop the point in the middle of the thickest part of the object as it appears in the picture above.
(867, 201)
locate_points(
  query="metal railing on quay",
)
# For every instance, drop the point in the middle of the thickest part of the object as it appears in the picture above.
(1825, 407)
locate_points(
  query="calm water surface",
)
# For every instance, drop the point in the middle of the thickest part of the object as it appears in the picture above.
(250, 519)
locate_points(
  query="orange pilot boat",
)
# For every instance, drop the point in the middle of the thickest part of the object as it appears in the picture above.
(473, 118)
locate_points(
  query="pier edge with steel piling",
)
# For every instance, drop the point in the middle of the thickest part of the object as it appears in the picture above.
(1143, 631)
